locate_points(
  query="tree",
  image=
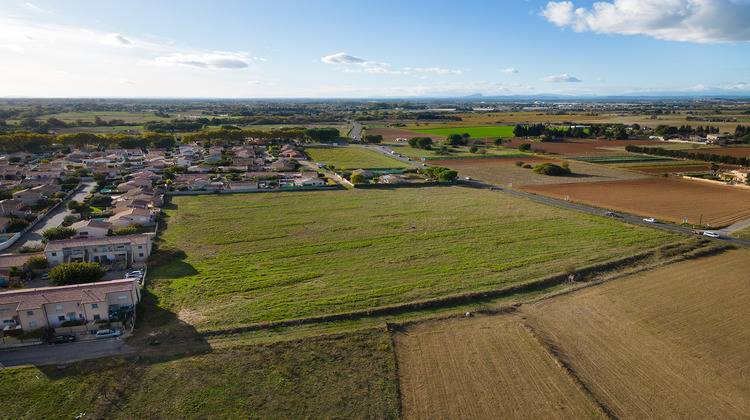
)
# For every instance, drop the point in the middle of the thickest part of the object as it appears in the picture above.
(713, 168)
(58, 233)
(473, 149)
(498, 141)
(17, 225)
(547, 168)
(455, 140)
(125, 230)
(441, 174)
(358, 178)
(76, 273)
(98, 200)
(73, 205)
(420, 142)
(38, 262)
(524, 147)
(372, 138)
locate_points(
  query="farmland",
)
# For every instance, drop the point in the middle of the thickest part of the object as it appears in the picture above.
(484, 367)
(267, 257)
(667, 343)
(352, 158)
(391, 134)
(340, 376)
(725, 151)
(662, 198)
(474, 132)
(663, 343)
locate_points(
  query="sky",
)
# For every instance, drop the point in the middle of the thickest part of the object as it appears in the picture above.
(372, 49)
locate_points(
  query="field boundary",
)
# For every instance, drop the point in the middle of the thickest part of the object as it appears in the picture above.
(468, 297)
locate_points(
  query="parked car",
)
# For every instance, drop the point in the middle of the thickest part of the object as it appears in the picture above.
(711, 234)
(60, 339)
(649, 220)
(135, 273)
(107, 333)
(610, 214)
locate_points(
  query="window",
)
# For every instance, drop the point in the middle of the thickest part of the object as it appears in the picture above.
(140, 247)
(9, 321)
(4, 310)
(141, 254)
(32, 324)
(54, 254)
(29, 313)
(58, 307)
(94, 306)
(122, 297)
(97, 317)
(61, 318)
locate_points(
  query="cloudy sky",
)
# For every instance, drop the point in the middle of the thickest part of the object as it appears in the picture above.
(353, 49)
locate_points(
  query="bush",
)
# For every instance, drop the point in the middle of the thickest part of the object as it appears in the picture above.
(76, 273)
(551, 169)
(99, 200)
(125, 230)
(17, 225)
(473, 149)
(358, 178)
(58, 233)
(524, 147)
(69, 220)
(38, 262)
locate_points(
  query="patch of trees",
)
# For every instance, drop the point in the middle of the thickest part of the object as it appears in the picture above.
(76, 273)
(441, 174)
(26, 142)
(230, 137)
(372, 138)
(457, 139)
(58, 233)
(547, 168)
(437, 116)
(742, 134)
(684, 130)
(175, 125)
(706, 157)
(420, 143)
(322, 135)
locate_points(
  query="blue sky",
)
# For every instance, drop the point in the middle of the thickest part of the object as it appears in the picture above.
(353, 49)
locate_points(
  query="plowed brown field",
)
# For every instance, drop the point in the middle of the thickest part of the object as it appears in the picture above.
(483, 368)
(533, 160)
(581, 147)
(662, 198)
(667, 343)
(676, 168)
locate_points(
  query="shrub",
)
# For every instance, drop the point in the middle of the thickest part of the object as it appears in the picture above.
(125, 230)
(519, 163)
(76, 273)
(358, 178)
(17, 225)
(58, 233)
(37, 262)
(473, 149)
(547, 168)
(524, 147)
(99, 200)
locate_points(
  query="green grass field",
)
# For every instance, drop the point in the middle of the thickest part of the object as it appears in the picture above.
(353, 158)
(267, 257)
(341, 376)
(456, 152)
(474, 132)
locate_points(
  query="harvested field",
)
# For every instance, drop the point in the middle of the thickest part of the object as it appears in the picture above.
(391, 134)
(580, 146)
(724, 151)
(675, 168)
(504, 174)
(662, 198)
(667, 343)
(491, 161)
(483, 367)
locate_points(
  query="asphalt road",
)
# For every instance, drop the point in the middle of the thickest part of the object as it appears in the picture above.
(51, 220)
(46, 354)
(355, 134)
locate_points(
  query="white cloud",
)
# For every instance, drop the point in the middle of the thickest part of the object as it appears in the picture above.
(700, 21)
(437, 70)
(215, 60)
(117, 40)
(342, 58)
(510, 70)
(354, 64)
(561, 78)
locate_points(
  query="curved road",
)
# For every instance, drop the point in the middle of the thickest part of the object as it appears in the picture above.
(354, 134)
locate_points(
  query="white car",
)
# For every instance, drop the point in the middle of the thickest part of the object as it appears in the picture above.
(711, 234)
(107, 333)
(649, 220)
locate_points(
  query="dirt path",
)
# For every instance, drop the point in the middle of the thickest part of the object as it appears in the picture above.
(485, 367)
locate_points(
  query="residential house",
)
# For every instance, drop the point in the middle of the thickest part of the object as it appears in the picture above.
(199, 169)
(281, 166)
(365, 172)
(309, 182)
(91, 229)
(49, 307)
(116, 250)
(292, 153)
(130, 216)
(28, 197)
(392, 179)
(4, 222)
(242, 186)
(15, 207)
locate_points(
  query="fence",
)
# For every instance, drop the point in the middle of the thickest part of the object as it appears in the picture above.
(85, 329)
(15, 342)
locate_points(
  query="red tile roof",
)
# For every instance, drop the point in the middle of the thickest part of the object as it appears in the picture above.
(85, 293)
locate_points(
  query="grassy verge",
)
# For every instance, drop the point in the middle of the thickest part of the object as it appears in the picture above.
(339, 376)
(353, 158)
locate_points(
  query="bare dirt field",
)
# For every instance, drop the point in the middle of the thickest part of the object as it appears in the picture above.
(482, 368)
(676, 168)
(504, 174)
(391, 134)
(662, 198)
(581, 147)
(533, 160)
(666, 343)
(725, 151)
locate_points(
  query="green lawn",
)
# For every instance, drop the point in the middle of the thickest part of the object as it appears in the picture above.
(353, 158)
(474, 132)
(742, 234)
(266, 257)
(342, 376)
(456, 152)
